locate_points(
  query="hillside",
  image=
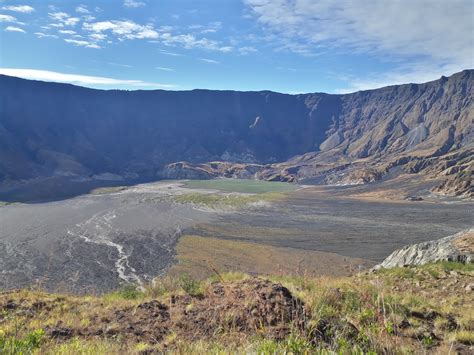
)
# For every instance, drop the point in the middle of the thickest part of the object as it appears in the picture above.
(59, 129)
(423, 309)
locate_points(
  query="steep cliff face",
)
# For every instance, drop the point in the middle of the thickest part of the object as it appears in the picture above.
(421, 120)
(63, 128)
(49, 128)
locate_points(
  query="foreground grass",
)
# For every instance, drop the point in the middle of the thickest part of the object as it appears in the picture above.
(402, 310)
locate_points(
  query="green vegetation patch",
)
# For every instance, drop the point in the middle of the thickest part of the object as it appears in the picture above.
(107, 190)
(434, 270)
(127, 292)
(241, 185)
(21, 345)
(227, 200)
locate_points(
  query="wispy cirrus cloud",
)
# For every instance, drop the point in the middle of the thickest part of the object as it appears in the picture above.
(45, 35)
(431, 36)
(133, 3)
(207, 60)
(45, 75)
(247, 50)
(98, 36)
(173, 54)
(14, 29)
(67, 32)
(82, 9)
(120, 65)
(81, 43)
(164, 69)
(411, 73)
(18, 8)
(190, 41)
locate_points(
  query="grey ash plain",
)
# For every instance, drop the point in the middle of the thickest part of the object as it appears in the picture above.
(91, 243)
(96, 242)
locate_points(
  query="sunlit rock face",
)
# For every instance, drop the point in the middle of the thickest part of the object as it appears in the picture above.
(458, 247)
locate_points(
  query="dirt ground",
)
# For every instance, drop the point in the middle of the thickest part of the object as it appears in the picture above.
(249, 306)
(201, 256)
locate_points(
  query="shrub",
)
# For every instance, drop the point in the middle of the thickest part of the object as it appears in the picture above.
(13, 345)
(127, 292)
(189, 285)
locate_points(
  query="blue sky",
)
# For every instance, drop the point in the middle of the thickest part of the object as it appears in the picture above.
(288, 46)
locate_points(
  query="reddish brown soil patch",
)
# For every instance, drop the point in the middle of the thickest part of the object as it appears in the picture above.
(252, 306)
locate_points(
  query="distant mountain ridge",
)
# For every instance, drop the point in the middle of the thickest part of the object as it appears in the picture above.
(50, 128)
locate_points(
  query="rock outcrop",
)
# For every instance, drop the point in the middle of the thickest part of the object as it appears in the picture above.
(458, 247)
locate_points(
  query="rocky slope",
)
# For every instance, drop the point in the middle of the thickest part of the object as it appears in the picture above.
(59, 129)
(458, 247)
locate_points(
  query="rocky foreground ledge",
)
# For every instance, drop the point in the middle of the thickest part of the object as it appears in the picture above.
(458, 247)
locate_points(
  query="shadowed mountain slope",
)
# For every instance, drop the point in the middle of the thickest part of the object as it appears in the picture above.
(51, 128)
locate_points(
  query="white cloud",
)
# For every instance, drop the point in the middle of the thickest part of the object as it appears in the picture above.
(133, 3)
(226, 49)
(120, 65)
(413, 73)
(14, 29)
(247, 50)
(82, 43)
(189, 41)
(207, 60)
(86, 80)
(44, 35)
(19, 8)
(60, 16)
(129, 30)
(98, 36)
(67, 32)
(171, 53)
(88, 18)
(64, 18)
(195, 27)
(209, 30)
(213, 27)
(7, 18)
(82, 9)
(164, 69)
(71, 21)
(430, 35)
(123, 29)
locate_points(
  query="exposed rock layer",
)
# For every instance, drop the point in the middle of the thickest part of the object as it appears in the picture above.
(458, 247)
